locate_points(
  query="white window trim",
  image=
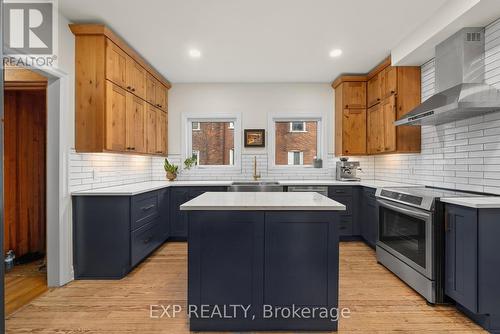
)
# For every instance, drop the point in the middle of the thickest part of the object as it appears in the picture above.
(297, 131)
(186, 139)
(301, 158)
(288, 117)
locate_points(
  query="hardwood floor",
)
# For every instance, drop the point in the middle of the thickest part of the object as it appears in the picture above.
(23, 284)
(379, 302)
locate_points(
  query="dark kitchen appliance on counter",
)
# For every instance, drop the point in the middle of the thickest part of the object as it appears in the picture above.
(411, 236)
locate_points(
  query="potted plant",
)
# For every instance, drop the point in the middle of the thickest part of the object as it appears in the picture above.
(171, 170)
(190, 162)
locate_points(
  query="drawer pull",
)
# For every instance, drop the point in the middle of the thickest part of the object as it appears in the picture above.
(146, 208)
(147, 240)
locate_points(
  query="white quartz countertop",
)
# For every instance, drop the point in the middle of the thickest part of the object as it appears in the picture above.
(262, 201)
(142, 187)
(486, 202)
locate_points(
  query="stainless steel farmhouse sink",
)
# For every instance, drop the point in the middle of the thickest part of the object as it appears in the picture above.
(255, 186)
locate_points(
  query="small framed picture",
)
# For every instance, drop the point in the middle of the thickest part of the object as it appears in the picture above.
(255, 137)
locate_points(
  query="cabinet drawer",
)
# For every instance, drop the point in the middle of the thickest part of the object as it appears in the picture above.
(342, 190)
(144, 208)
(145, 240)
(347, 201)
(370, 192)
(345, 226)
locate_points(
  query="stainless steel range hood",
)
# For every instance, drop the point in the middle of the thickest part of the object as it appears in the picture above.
(461, 90)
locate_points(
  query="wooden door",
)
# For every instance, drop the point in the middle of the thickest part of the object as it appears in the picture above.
(116, 64)
(354, 131)
(151, 130)
(116, 101)
(135, 124)
(389, 129)
(461, 257)
(25, 123)
(373, 90)
(161, 96)
(375, 130)
(151, 84)
(354, 95)
(388, 81)
(161, 132)
(136, 78)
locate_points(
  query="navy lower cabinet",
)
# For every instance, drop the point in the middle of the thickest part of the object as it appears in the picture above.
(112, 234)
(348, 227)
(472, 263)
(266, 263)
(369, 216)
(179, 219)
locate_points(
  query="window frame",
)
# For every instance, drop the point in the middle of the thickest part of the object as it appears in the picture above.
(321, 144)
(189, 118)
(198, 128)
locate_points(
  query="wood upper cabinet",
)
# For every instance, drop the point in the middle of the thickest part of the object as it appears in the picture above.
(354, 131)
(388, 81)
(391, 92)
(354, 95)
(161, 132)
(116, 101)
(116, 64)
(136, 78)
(350, 123)
(388, 107)
(151, 130)
(373, 90)
(135, 124)
(375, 127)
(151, 84)
(161, 96)
(115, 91)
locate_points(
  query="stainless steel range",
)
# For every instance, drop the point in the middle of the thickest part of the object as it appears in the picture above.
(411, 236)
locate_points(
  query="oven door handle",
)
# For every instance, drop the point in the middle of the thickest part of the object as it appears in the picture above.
(400, 209)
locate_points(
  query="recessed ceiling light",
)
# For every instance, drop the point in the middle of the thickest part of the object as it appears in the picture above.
(335, 53)
(194, 53)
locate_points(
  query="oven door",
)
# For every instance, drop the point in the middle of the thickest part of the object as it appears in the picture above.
(407, 233)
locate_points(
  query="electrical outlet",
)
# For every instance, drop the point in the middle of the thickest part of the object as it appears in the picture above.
(96, 174)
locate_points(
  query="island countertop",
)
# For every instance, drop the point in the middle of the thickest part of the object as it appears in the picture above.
(262, 201)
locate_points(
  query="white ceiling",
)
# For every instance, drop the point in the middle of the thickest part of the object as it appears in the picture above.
(257, 40)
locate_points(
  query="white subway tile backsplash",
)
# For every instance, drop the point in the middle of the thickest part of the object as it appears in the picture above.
(466, 151)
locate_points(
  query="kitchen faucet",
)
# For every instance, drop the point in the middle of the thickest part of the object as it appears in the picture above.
(255, 175)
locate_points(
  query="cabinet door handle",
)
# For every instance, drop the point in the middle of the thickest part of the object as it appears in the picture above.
(146, 208)
(129, 87)
(147, 240)
(133, 89)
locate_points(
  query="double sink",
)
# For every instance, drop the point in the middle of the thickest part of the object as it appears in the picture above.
(255, 186)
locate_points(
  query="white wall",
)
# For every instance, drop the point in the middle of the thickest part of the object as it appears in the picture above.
(253, 101)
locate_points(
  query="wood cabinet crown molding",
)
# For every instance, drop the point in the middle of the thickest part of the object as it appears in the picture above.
(362, 77)
(101, 29)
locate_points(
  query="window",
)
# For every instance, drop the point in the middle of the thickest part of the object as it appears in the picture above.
(298, 126)
(212, 141)
(197, 155)
(295, 158)
(296, 142)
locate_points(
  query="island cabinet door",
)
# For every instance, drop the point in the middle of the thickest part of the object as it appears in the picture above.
(301, 259)
(225, 252)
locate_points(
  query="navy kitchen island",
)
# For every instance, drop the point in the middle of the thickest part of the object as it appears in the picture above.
(263, 262)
